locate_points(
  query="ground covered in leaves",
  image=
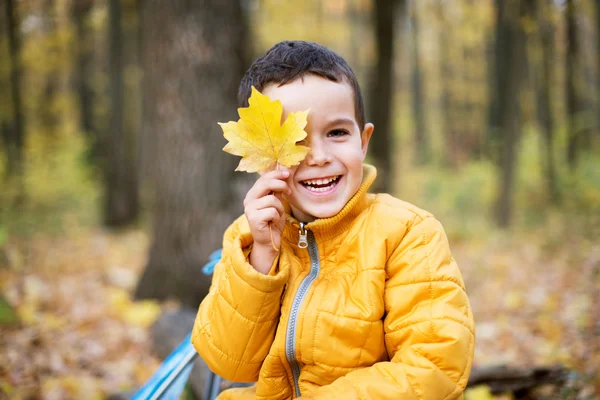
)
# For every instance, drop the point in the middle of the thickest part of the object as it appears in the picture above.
(80, 336)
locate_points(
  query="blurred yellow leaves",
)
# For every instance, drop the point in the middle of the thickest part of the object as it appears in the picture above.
(260, 138)
(71, 387)
(79, 335)
(481, 392)
(141, 313)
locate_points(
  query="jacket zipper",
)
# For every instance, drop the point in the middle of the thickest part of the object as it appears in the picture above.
(307, 239)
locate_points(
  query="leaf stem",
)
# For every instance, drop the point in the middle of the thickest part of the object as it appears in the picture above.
(270, 230)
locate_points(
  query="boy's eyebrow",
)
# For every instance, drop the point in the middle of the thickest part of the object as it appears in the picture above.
(341, 121)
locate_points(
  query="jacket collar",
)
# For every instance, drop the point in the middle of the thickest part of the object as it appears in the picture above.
(327, 228)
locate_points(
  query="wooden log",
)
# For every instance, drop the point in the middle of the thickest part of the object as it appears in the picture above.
(519, 381)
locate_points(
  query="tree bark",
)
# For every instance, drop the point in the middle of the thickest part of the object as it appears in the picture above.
(463, 77)
(545, 83)
(121, 205)
(84, 69)
(419, 126)
(193, 55)
(46, 111)
(381, 96)
(14, 136)
(576, 104)
(510, 55)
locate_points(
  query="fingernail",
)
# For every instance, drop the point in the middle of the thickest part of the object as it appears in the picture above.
(285, 173)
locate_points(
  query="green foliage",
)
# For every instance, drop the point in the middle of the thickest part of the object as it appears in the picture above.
(58, 185)
(8, 317)
(460, 199)
(463, 198)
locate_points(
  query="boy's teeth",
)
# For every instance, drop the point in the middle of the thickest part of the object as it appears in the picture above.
(320, 181)
(316, 185)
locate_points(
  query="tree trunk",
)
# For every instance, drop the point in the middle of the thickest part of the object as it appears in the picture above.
(381, 96)
(545, 83)
(46, 110)
(84, 69)
(596, 137)
(419, 128)
(462, 57)
(449, 70)
(576, 104)
(14, 136)
(509, 75)
(121, 206)
(193, 57)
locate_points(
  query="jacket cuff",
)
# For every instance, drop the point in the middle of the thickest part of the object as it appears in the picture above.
(273, 281)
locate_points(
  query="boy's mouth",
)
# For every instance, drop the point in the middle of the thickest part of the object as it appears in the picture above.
(322, 184)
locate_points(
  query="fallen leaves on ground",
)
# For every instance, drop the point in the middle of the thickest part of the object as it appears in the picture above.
(535, 300)
(80, 336)
(534, 296)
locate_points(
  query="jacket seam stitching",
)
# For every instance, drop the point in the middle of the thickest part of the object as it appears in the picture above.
(420, 353)
(410, 382)
(322, 364)
(430, 276)
(252, 333)
(243, 279)
(449, 279)
(257, 322)
(223, 354)
(467, 369)
(371, 321)
(364, 344)
(429, 320)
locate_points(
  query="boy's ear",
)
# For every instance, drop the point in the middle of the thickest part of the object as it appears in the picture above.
(365, 136)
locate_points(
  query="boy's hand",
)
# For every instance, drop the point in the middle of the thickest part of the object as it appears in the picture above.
(263, 209)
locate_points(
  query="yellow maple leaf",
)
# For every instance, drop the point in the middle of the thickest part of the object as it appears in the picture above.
(261, 139)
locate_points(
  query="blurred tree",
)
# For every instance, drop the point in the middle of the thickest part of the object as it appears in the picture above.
(51, 35)
(14, 135)
(577, 105)
(121, 205)
(193, 62)
(544, 82)
(597, 136)
(419, 106)
(510, 51)
(381, 95)
(83, 50)
(462, 65)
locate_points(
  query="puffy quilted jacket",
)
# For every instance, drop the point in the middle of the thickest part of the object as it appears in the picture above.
(374, 308)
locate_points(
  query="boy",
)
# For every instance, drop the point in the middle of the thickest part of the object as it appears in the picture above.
(363, 300)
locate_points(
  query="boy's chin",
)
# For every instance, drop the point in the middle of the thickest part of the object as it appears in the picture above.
(312, 213)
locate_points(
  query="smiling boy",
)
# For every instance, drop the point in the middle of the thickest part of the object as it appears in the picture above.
(362, 299)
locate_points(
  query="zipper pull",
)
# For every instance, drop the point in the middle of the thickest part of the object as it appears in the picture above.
(302, 242)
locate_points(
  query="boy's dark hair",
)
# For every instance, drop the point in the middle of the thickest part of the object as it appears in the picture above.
(289, 60)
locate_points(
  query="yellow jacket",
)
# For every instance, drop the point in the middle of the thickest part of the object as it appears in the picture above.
(374, 308)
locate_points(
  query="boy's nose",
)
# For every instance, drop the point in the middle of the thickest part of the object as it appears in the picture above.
(318, 155)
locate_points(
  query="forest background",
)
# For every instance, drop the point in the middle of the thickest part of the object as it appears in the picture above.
(114, 189)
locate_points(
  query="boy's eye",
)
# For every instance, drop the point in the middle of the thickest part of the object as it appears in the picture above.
(337, 133)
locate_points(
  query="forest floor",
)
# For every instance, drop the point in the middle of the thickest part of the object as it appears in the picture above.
(80, 336)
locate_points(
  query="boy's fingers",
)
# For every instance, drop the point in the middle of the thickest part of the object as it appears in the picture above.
(283, 171)
(265, 215)
(265, 186)
(266, 202)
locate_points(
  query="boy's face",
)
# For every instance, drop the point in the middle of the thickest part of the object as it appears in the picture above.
(331, 173)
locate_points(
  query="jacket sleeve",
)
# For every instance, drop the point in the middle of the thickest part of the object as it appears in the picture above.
(429, 328)
(236, 322)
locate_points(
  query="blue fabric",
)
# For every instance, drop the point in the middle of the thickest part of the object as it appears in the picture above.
(168, 382)
(214, 258)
